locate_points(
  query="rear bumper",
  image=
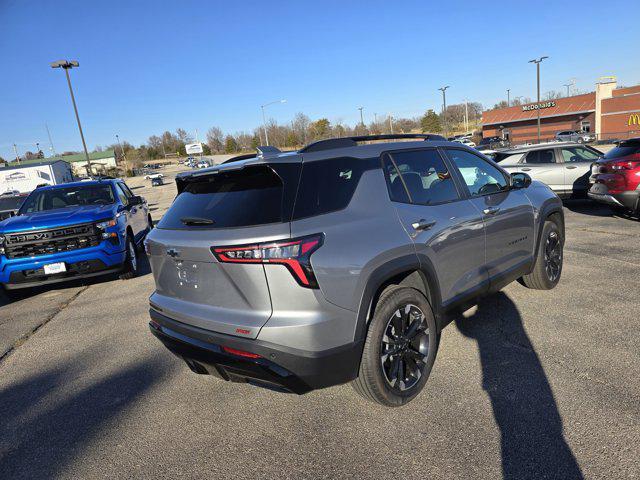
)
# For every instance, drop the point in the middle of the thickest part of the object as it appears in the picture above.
(278, 367)
(629, 199)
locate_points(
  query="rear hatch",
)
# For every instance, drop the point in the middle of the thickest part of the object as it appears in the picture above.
(614, 169)
(230, 205)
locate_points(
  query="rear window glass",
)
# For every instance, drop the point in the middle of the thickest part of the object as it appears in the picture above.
(242, 198)
(328, 185)
(622, 151)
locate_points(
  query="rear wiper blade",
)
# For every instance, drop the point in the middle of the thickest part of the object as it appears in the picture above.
(196, 221)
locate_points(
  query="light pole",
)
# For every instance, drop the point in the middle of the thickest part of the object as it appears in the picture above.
(361, 117)
(568, 85)
(538, 62)
(444, 109)
(264, 119)
(466, 116)
(66, 65)
(53, 151)
(508, 97)
(15, 150)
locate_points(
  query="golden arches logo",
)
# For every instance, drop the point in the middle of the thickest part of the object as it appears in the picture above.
(634, 119)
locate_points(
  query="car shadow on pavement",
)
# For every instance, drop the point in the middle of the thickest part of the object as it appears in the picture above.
(49, 419)
(587, 207)
(532, 440)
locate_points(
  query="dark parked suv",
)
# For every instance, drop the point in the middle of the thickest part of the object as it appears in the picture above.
(337, 263)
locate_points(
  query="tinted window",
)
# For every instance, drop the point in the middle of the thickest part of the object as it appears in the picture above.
(540, 156)
(79, 195)
(479, 175)
(578, 154)
(419, 177)
(122, 195)
(623, 150)
(247, 197)
(328, 185)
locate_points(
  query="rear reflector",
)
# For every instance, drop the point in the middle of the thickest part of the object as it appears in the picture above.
(240, 353)
(294, 254)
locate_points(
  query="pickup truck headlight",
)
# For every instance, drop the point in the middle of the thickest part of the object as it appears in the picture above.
(2, 240)
(103, 226)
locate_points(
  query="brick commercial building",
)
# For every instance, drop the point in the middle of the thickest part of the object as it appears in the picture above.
(608, 113)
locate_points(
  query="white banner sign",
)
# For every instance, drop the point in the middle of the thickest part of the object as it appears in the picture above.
(193, 148)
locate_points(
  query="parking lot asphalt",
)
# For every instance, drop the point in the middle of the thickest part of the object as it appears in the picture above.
(528, 384)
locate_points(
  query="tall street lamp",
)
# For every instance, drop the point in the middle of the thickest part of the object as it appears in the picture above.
(361, 117)
(444, 109)
(264, 119)
(508, 97)
(538, 62)
(66, 65)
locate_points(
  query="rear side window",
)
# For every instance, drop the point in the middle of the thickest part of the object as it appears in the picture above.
(328, 185)
(419, 177)
(540, 156)
(242, 198)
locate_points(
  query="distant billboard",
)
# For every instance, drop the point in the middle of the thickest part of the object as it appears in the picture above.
(193, 148)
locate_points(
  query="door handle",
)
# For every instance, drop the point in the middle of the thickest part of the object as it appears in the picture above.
(491, 210)
(572, 166)
(423, 224)
(525, 169)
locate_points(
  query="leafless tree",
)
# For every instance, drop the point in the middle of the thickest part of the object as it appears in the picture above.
(215, 139)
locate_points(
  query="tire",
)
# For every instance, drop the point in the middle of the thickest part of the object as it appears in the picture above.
(131, 265)
(548, 268)
(386, 378)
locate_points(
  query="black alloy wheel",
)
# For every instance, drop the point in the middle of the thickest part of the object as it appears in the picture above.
(553, 256)
(405, 348)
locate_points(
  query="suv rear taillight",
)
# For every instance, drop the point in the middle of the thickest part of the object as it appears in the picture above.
(294, 254)
(629, 163)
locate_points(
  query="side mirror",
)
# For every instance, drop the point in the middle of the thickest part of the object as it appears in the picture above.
(520, 180)
(136, 200)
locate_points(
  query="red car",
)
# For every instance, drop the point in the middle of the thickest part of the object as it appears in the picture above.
(616, 177)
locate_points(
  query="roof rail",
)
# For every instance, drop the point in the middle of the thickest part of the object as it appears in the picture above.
(342, 142)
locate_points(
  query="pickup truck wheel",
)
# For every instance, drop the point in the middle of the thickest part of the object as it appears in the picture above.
(548, 268)
(130, 269)
(400, 348)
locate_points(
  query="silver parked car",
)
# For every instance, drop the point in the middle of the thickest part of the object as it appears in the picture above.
(565, 167)
(573, 136)
(337, 263)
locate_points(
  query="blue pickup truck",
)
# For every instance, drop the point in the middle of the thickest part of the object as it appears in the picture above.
(73, 230)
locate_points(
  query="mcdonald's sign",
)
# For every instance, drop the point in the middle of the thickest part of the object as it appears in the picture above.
(634, 119)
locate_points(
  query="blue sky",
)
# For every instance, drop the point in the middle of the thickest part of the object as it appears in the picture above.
(146, 67)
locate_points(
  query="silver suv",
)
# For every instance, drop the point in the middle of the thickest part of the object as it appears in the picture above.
(338, 262)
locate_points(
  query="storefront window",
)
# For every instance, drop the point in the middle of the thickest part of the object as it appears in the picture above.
(585, 126)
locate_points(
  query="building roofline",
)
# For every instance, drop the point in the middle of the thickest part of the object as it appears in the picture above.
(564, 114)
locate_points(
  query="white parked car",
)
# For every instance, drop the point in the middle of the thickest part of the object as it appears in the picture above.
(203, 164)
(465, 141)
(151, 176)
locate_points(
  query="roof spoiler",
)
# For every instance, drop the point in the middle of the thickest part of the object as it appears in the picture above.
(353, 141)
(267, 151)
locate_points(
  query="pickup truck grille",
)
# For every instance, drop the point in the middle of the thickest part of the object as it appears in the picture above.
(45, 242)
